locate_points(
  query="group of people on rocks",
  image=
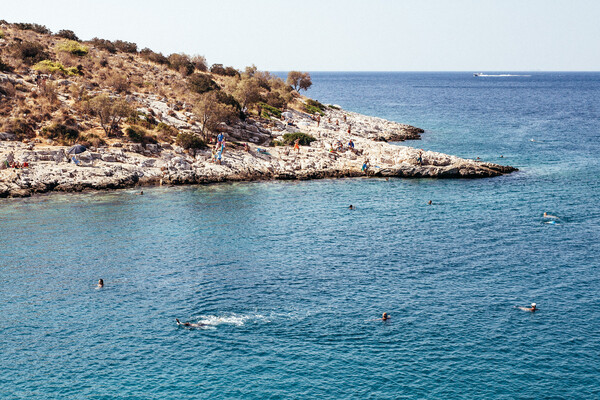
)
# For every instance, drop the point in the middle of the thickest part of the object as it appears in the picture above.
(15, 165)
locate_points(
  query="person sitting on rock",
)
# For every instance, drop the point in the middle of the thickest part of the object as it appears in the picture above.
(351, 144)
(365, 167)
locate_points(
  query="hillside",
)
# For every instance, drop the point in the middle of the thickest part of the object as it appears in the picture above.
(145, 118)
(49, 83)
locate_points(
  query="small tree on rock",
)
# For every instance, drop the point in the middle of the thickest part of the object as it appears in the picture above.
(110, 111)
(212, 113)
(299, 80)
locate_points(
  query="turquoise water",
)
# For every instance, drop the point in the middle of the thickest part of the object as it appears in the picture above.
(289, 282)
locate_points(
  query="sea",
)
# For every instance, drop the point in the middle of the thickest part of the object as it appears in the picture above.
(289, 285)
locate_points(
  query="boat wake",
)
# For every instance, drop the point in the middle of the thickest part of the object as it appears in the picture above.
(496, 75)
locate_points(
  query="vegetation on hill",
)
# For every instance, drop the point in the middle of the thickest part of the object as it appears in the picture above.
(62, 89)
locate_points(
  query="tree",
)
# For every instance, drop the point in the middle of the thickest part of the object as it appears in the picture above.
(299, 80)
(247, 92)
(212, 113)
(110, 111)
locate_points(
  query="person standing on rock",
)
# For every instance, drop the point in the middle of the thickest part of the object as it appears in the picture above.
(349, 128)
(220, 139)
(297, 145)
(420, 158)
(318, 120)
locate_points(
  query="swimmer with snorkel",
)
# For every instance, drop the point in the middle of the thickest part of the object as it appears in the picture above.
(189, 324)
(533, 308)
(546, 215)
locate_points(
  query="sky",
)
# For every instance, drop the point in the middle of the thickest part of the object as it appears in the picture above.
(334, 35)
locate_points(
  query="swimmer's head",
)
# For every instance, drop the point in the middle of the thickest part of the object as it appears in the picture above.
(533, 305)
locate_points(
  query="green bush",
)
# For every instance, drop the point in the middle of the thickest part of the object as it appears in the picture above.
(270, 110)
(313, 110)
(29, 52)
(316, 104)
(334, 107)
(305, 139)
(104, 44)
(67, 34)
(138, 134)
(33, 27)
(190, 141)
(52, 67)
(200, 83)
(73, 47)
(63, 134)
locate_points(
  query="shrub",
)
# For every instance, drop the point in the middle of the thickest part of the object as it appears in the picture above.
(63, 134)
(190, 141)
(125, 47)
(150, 55)
(181, 63)
(228, 99)
(104, 44)
(4, 67)
(166, 129)
(7, 89)
(334, 107)
(32, 27)
(314, 107)
(305, 139)
(73, 47)
(218, 69)
(21, 128)
(67, 34)
(91, 140)
(29, 52)
(137, 134)
(315, 103)
(200, 83)
(200, 63)
(52, 67)
(270, 110)
(1, 34)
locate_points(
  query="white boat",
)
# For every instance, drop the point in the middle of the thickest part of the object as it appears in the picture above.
(478, 74)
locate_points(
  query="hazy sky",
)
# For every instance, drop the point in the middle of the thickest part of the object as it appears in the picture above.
(369, 35)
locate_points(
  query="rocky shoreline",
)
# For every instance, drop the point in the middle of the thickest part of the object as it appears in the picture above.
(126, 165)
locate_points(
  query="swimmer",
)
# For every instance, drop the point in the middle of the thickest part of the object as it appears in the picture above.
(533, 308)
(189, 324)
(100, 283)
(430, 202)
(351, 207)
(141, 193)
(385, 317)
(546, 215)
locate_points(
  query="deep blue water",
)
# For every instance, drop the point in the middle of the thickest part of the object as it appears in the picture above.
(290, 281)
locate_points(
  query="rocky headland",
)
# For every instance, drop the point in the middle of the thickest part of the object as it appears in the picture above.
(148, 119)
(123, 165)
